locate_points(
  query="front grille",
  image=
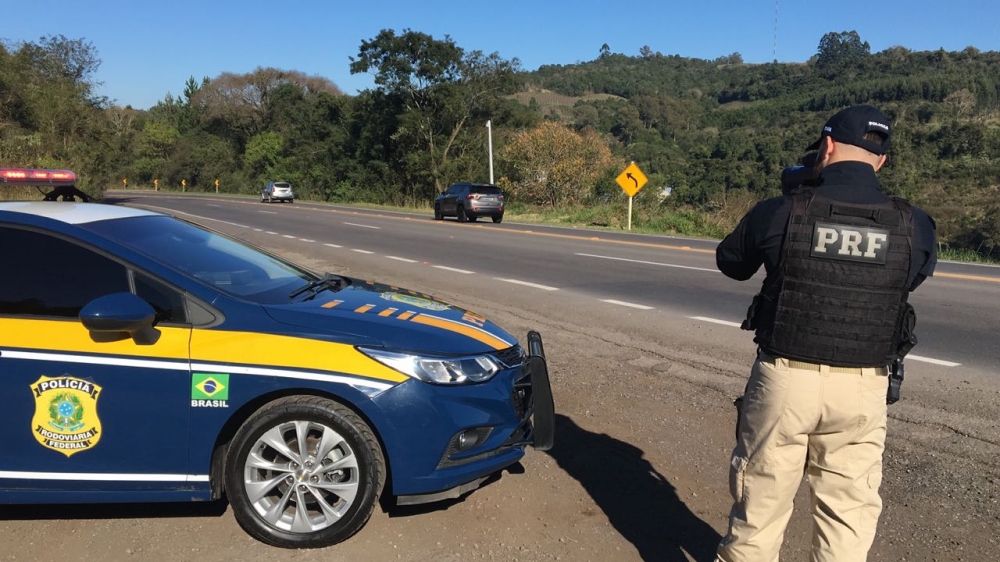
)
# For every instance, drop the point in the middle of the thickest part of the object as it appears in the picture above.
(510, 357)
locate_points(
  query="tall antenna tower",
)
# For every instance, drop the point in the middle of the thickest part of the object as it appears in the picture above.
(774, 51)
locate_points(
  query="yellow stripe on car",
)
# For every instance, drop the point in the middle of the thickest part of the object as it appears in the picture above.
(470, 331)
(287, 351)
(217, 346)
(70, 336)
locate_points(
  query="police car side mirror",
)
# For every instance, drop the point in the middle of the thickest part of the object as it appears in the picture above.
(118, 316)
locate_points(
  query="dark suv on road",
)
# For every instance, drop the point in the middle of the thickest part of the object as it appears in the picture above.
(469, 201)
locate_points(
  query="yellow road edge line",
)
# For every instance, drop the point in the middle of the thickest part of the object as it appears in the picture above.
(968, 277)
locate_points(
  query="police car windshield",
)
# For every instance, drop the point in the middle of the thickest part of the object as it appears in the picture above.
(226, 264)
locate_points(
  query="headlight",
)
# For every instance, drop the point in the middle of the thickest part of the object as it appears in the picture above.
(439, 370)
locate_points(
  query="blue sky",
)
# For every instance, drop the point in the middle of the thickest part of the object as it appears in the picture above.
(150, 48)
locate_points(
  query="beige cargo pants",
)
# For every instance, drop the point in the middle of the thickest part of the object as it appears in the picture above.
(829, 422)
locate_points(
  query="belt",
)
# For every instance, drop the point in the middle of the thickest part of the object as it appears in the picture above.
(882, 371)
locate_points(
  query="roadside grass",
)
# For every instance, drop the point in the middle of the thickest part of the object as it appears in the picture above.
(19, 193)
(964, 255)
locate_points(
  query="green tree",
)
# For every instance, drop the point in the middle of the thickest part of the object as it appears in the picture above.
(435, 91)
(263, 152)
(841, 49)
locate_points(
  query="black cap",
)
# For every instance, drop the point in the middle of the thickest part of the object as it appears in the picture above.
(850, 126)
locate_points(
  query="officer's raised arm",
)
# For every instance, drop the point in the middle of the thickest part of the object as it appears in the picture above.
(755, 241)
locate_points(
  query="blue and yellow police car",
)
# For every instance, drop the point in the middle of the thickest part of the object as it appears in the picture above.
(144, 358)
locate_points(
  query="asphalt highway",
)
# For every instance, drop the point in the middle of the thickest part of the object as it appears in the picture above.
(958, 310)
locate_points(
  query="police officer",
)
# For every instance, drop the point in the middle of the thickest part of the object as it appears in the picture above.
(841, 258)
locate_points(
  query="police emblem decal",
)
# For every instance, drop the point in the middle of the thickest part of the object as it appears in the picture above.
(209, 390)
(418, 302)
(65, 417)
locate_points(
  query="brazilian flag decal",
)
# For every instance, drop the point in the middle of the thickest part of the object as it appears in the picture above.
(209, 386)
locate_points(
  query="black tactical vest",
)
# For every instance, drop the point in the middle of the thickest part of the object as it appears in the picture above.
(842, 286)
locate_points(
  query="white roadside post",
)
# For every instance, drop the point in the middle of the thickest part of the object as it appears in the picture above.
(489, 136)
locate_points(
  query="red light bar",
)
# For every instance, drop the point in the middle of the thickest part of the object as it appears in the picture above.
(36, 176)
(13, 174)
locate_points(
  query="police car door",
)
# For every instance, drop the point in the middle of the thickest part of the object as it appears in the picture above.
(88, 411)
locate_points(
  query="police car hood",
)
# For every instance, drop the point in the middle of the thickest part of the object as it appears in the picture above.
(394, 318)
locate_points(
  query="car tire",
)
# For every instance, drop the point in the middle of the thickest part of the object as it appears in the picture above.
(498, 219)
(438, 215)
(460, 214)
(302, 496)
(473, 218)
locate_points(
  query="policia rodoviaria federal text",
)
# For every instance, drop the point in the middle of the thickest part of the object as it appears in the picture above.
(841, 258)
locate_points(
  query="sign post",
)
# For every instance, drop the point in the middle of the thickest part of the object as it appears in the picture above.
(184, 186)
(631, 181)
(156, 184)
(216, 185)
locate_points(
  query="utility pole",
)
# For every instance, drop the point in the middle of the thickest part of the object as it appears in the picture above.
(489, 135)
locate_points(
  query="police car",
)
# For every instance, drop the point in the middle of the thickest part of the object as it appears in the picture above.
(145, 359)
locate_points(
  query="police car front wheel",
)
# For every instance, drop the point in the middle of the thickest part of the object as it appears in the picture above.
(304, 472)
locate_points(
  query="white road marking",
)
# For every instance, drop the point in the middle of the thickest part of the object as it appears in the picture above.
(628, 304)
(259, 229)
(401, 259)
(333, 245)
(170, 211)
(940, 362)
(288, 236)
(462, 271)
(363, 225)
(269, 232)
(932, 361)
(715, 321)
(361, 251)
(306, 240)
(211, 205)
(649, 262)
(526, 284)
(269, 212)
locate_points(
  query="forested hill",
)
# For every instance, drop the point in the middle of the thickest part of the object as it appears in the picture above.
(718, 133)
(712, 127)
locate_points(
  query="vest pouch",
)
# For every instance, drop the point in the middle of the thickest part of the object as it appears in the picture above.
(907, 339)
(750, 322)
